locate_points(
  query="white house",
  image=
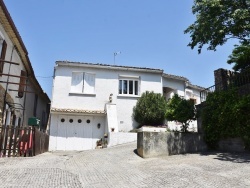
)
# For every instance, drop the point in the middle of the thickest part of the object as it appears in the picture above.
(91, 100)
(21, 96)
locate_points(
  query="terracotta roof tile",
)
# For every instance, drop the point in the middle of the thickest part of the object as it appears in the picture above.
(80, 111)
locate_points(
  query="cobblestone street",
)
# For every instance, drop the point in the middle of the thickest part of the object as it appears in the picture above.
(121, 167)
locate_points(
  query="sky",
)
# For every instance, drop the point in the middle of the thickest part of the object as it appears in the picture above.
(148, 33)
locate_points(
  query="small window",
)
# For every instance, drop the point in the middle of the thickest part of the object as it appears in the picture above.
(128, 87)
(79, 121)
(62, 120)
(2, 55)
(22, 83)
(88, 121)
(71, 120)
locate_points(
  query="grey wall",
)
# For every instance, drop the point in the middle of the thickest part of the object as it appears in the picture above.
(152, 144)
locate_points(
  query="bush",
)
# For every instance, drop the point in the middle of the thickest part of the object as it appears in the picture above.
(181, 110)
(150, 109)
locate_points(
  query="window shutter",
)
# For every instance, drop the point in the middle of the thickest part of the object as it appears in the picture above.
(77, 82)
(21, 84)
(89, 83)
(3, 53)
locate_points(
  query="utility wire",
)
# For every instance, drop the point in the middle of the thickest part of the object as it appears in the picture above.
(44, 76)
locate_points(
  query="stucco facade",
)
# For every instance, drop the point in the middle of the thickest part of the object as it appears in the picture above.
(105, 95)
(21, 96)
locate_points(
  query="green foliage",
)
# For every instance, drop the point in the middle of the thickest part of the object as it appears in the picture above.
(240, 57)
(219, 20)
(226, 115)
(150, 109)
(181, 110)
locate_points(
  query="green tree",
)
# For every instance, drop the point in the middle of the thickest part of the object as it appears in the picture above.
(240, 57)
(181, 110)
(219, 20)
(150, 109)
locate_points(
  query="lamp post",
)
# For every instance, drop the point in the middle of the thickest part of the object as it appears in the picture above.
(115, 54)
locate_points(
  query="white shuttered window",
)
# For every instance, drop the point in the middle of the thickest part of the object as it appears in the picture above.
(83, 83)
(89, 83)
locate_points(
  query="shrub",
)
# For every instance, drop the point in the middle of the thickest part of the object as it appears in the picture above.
(181, 110)
(150, 109)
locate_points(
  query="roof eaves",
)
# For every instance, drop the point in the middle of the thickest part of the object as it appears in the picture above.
(107, 66)
(189, 85)
(175, 77)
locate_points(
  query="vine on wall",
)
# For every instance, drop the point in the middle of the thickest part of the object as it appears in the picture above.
(226, 115)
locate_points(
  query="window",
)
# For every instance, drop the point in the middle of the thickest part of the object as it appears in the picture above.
(3, 47)
(128, 86)
(83, 83)
(22, 83)
(35, 105)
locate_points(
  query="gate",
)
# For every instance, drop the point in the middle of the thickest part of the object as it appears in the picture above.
(22, 141)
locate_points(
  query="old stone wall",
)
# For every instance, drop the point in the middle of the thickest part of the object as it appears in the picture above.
(152, 144)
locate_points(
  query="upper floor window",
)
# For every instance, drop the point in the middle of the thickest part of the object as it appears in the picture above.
(129, 86)
(3, 48)
(82, 82)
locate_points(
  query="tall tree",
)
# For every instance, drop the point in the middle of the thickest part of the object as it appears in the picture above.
(219, 20)
(240, 57)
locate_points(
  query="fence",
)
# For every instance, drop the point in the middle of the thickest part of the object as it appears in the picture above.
(241, 81)
(22, 141)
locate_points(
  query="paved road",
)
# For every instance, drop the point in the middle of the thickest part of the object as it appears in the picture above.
(121, 167)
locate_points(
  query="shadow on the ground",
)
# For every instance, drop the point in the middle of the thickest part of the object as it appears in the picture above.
(232, 157)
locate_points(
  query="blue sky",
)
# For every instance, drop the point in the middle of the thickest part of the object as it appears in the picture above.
(148, 33)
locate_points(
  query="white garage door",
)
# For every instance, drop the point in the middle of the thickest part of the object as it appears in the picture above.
(74, 133)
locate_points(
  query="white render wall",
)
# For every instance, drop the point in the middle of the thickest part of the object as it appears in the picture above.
(106, 82)
(116, 138)
(177, 85)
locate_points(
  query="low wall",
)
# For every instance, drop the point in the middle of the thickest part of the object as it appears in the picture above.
(152, 144)
(116, 138)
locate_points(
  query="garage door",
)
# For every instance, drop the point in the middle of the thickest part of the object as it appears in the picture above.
(74, 133)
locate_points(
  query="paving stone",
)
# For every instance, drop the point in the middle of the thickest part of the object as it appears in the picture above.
(121, 167)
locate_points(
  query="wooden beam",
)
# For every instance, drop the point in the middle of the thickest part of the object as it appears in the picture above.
(14, 83)
(22, 91)
(11, 75)
(10, 62)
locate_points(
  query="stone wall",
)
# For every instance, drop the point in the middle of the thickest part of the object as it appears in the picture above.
(221, 78)
(152, 144)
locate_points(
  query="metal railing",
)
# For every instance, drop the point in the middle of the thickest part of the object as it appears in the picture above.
(241, 81)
